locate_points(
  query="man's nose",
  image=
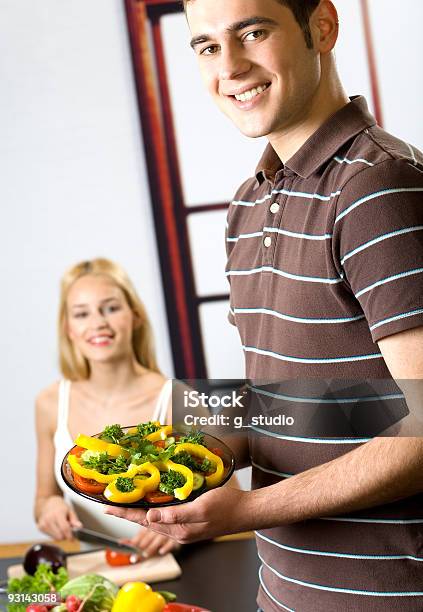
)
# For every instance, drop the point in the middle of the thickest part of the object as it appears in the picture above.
(233, 63)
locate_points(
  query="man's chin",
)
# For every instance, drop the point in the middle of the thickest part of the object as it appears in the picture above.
(251, 129)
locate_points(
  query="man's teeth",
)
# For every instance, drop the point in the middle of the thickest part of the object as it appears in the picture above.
(250, 94)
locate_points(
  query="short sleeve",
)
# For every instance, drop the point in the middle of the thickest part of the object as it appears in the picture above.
(231, 314)
(378, 244)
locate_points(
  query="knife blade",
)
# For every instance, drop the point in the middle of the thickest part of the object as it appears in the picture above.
(94, 537)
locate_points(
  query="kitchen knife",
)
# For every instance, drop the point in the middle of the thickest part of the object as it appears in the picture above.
(94, 537)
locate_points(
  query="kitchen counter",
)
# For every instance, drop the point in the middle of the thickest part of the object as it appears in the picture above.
(220, 575)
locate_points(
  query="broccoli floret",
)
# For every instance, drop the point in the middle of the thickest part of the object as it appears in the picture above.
(171, 480)
(125, 485)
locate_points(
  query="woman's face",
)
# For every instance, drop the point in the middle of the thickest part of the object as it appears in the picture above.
(100, 322)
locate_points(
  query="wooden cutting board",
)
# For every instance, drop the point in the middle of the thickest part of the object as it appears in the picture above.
(155, 569)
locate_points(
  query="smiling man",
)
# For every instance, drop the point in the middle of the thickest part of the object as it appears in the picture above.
(325, 264)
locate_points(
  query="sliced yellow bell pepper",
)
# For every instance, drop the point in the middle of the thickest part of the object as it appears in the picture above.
(142, 486)
(186, 489)
(200, 451)
(138, 597)
(75, 464)
(160, 434)
(95, 444)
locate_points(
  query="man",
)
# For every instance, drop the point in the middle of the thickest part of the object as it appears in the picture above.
(325, 263)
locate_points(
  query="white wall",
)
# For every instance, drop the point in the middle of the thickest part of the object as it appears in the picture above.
(74, 182)
(73, 186)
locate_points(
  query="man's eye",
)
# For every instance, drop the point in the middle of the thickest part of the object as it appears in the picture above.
(210, 50)
(253, 35)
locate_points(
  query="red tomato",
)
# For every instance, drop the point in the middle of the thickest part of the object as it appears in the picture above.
(217, 451)
(36, 608)
(87, 485)
(158, 497)
(115, 558)
(159, 443)
(77, 450)
(180, 607)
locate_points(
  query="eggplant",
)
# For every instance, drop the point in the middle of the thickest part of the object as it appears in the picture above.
(44, 553)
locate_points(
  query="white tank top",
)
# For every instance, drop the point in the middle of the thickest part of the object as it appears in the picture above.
(91, 513)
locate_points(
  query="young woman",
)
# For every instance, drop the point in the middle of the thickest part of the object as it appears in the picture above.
(110, 375)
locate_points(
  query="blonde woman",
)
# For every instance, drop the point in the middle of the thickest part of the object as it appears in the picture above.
(110, 375)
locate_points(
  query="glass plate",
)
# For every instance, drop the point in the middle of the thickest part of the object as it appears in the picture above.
(210, 441)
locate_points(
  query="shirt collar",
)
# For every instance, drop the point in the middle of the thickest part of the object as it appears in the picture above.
(346, 123)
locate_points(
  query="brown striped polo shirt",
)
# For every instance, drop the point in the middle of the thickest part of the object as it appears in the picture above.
(325, 258)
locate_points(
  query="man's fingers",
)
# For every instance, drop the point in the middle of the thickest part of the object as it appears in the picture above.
(172, 515)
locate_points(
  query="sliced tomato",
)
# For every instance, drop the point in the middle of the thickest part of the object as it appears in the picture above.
(116, 558)
(159, 444)
(87, 485)
(158, 497)
(77, 450)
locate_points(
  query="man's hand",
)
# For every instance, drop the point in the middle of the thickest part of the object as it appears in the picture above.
(217, 512)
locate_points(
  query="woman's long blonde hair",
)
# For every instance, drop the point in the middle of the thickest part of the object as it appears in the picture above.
(73, 365)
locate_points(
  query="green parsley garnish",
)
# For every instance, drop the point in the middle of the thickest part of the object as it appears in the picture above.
(112, 434)
(145, 429)
(171, 480)
(103, 463)
(194, 437)
(184, 458)
(125, 485)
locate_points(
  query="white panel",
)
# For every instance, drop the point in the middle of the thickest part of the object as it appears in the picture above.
(207, 239)
(224, 356)
(215, 158)
(397, 32)
(350, 50)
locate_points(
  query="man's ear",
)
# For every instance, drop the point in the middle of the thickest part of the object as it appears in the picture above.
(325, 26)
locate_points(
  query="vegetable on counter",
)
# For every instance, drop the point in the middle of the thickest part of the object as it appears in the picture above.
(47, 554)
(116, 558)
(44, 580)
(97, 593)
(138, 597)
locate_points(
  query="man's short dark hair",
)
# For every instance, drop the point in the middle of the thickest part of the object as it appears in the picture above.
(302, 10)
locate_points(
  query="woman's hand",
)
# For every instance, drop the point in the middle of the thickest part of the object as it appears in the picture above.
(57, 518)
(152, 543)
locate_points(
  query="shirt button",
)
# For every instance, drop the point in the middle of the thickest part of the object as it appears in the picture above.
(274, 208)
(267, 241)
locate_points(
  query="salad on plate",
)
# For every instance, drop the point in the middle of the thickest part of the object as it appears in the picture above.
(146, 465)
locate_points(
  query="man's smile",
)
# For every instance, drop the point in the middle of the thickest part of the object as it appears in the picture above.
(247, 96)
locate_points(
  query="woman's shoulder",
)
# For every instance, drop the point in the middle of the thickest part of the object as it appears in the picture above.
(152, 380)
(47, 398)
